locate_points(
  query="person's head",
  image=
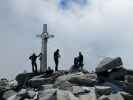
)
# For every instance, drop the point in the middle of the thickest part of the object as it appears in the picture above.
(49, 68)
(80, 53)
(57, 50)
(34, 54)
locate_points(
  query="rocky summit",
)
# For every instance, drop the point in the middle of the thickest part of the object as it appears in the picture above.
(110, 81)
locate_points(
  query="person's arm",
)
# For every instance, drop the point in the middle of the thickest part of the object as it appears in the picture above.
(30, 57)
(59, 55)
(39, 55)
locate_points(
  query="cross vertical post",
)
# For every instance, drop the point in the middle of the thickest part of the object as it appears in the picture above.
(44, 36)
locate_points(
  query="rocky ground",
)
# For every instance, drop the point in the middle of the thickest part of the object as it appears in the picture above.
(110, 81)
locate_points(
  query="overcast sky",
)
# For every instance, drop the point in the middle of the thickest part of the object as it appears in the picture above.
(98, 28)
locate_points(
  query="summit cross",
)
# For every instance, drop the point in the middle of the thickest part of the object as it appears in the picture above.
(43, 59)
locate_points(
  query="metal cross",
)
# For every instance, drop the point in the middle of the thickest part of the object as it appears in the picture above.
(43, 59)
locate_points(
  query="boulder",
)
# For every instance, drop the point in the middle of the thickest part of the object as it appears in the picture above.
(22, 92)
(104, 97)
(8, 94)
(31, 93)
(49, 94)
(103, 90)
(78, 78)
(116, 87)
(48, 86)
(37, 82)
(116, 96)
(129, 78)
(65, 95)
(14, 97)
(65, 85)
(4, 85)
(129, 71)
(129, 88)
(108, 63)
(77, 90)
(13, 84)
(126, 96)
(117, 74)
(88, 96)
(23, 78)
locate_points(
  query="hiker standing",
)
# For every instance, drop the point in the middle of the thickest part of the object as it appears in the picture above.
(33, 59)
(80, 60)
(56, 59)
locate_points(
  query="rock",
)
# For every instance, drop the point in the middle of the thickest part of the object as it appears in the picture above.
(77, 90)
(116, 96)
(9, 94)
(103, 97)
(31, 93)
(126, 95)
(88, 96)
(103, 90)
(23, 78)
(13, 84)
(129, 88)
(65, 95)
(4, 85)
(77, 78)
(129, 78)
(37, 82)
(48, 86)
(49, 94)
(129, 71)
(109, 63)
(82, 81)
(15, 97)
(65, 85)
(115, 87)
(22, 92)
(117, 74)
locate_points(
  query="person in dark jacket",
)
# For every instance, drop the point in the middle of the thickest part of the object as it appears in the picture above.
(56, 59)
(80, 60)
(33, 59)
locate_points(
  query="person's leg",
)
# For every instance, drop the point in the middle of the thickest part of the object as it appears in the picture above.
(56, 65)
(35, 67)
(32, 67)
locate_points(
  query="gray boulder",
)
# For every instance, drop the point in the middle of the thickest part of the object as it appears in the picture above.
(117, 74)
(77, 90)
(129, 88)
(88, 96)
(48, 86)
(37, 82)
(104, 97)
(65, 95)
(49, 94)
(103, 90)
(129, 78)
(64, 85)
(116, 96)
(4, 85)
(9, 94)
(126, 96)
(108, 63)
(31, 93)
(78, 78)
(23, 78)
